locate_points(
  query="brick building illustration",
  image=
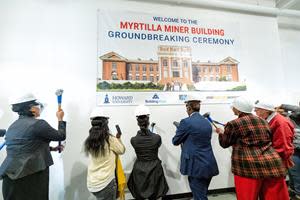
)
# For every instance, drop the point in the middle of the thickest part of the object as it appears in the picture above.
(116, 67)
(225, 70)
(174, 65)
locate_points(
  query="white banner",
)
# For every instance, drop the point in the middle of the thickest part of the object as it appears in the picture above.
(162, 98)
(157, 60)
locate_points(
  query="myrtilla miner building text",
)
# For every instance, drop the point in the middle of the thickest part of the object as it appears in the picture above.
(174, 65)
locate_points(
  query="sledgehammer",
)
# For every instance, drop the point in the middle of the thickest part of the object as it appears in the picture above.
(59, 93)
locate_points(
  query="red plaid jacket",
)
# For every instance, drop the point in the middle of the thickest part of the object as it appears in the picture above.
(253, 155)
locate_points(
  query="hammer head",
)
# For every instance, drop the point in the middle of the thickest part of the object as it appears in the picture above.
(153, 124)
(2, 132)
(59, 92)
(176, 124)
(206, 115)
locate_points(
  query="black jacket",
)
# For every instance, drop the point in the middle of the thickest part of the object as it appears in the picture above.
(27, 146)
(147, 180)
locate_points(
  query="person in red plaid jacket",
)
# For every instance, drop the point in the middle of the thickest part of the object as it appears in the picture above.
(258, 169)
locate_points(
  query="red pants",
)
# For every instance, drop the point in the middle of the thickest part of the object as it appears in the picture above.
(265, 189)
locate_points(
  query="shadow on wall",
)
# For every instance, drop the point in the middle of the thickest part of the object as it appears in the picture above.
(168, 159)
(77, 190)
(56, 183)
(230, 180)
(165, 155)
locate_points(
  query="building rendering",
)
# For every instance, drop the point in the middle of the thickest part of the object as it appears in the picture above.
(174, 65)
(116, 67)
(225, 70)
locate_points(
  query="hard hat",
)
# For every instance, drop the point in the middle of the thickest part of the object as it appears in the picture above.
(141, 110)
(191, 98)
(264, 105)
(98, 112)
(24, 98)
(242, 104)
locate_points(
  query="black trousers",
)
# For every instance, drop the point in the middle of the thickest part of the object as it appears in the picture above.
(31, 187)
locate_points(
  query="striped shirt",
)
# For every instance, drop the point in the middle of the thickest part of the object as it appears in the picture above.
(253, 155)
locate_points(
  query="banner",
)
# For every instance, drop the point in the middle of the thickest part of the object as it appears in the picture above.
(157, 59)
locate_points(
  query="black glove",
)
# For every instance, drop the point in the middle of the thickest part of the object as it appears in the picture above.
(176, 124)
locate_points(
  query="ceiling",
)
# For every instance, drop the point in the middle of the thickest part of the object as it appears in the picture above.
(288, 4)
(280, 8)
(281, 4)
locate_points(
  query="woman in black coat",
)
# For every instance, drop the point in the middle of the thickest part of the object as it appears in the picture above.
(25, 170)
(147, 180)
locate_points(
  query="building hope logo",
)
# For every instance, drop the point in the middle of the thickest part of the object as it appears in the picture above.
(155, 99)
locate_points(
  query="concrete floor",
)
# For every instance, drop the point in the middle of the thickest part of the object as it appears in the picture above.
(223, 196)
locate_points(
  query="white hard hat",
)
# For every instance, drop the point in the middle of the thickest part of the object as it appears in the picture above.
(191, 98)
(98, 112)
(141, 110)
(24, 98)
(264, 105)
(242, 104)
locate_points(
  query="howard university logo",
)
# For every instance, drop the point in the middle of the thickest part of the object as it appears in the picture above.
(106, 99)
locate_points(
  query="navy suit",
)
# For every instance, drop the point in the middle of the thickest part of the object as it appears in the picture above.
(197, 158)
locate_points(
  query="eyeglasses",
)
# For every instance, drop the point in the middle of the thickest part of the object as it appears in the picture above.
(39, 106)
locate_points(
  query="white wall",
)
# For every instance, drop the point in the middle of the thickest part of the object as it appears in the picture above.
(45, 45)
(289, 32)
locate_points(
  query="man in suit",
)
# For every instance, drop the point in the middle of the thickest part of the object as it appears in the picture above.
(197, 158)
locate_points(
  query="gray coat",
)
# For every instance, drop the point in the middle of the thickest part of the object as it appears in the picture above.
(28, 151)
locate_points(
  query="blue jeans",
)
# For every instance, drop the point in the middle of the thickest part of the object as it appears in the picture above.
(294, 174)
(108, 193)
